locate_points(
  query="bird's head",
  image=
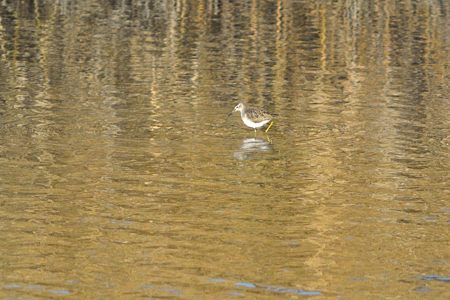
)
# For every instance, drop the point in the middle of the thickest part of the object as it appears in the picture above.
(239, 107)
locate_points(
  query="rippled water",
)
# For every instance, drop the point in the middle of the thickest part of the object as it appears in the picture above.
(121, 177)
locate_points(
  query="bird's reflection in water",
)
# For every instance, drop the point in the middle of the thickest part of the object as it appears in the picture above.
(252, 146)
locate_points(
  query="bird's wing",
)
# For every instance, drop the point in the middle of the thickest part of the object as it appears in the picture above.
(258, 115)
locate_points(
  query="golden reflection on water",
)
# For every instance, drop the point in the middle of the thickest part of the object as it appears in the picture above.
(120, 175)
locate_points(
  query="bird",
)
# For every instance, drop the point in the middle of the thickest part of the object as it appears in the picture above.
(254, 117)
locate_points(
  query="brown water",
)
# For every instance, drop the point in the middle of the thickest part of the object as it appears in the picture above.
(120, 176)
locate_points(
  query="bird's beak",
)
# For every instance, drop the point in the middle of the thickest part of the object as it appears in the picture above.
(230, 114)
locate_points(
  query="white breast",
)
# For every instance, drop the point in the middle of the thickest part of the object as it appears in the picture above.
(252, 124)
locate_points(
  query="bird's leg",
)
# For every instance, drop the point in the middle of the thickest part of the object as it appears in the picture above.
(255, 131)
(270, 125)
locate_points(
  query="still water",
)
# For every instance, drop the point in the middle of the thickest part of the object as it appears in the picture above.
(121, 177)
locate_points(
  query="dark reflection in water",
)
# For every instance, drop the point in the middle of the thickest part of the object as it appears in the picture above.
(120, 178)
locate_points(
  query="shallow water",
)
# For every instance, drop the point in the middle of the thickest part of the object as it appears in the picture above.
(121, 177)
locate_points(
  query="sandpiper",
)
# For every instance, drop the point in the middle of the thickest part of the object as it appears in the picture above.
(254, 117)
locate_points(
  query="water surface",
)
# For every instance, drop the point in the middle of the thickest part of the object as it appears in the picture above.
(121, 177)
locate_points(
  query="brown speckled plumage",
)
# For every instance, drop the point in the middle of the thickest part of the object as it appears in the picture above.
(257, 114)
